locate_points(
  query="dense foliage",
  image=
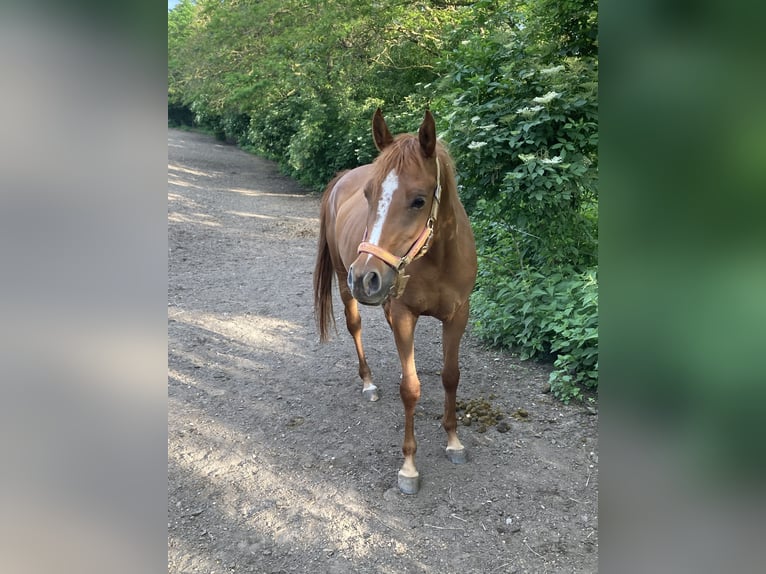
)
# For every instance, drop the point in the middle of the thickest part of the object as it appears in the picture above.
(513, 84)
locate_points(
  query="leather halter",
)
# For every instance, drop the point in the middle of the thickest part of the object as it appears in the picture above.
(418, 249)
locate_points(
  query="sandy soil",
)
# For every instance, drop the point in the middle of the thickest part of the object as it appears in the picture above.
(276, 463)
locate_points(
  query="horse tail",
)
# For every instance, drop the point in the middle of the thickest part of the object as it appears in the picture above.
(324, 271)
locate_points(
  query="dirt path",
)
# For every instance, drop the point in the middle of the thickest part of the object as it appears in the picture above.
(276, 464)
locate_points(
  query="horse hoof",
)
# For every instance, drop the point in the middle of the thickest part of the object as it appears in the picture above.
(456, 455)
(409, 484)
(371, 393)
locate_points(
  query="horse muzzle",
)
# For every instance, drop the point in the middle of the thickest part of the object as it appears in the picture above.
(370, 284)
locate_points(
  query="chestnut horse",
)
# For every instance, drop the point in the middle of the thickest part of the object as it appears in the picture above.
(400, 214)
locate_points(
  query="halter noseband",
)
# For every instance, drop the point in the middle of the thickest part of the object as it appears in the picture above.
(418, 249)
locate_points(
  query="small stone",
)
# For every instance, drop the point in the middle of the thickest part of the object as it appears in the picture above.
(295, 422)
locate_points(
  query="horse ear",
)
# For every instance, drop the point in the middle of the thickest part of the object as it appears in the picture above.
(380, 133)
(427, 135)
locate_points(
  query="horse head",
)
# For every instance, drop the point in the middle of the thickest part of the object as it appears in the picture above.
(403, 194)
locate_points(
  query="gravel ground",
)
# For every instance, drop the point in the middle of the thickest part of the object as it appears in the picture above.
(276, 463)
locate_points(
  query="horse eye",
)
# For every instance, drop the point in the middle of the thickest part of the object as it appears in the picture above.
(418, 203)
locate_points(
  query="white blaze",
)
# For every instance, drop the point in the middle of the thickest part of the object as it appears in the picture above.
(390, 185)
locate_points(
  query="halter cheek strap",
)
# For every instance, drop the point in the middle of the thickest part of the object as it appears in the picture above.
(418, 249)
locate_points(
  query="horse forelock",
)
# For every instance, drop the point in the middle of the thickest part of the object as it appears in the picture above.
(404, 155)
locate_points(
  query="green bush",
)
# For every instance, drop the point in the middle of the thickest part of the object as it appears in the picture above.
(179, 115)
(544, 316)
(323, 144)
(522, 124)
(272, 127)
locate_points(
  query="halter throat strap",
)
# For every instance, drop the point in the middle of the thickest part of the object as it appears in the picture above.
(419, 247)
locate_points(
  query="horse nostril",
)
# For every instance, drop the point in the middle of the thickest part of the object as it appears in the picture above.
(371, 283)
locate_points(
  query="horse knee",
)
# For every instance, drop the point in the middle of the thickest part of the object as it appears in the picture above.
(410, 393)
(353, 322)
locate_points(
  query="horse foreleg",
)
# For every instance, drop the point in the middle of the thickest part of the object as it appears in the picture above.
(403, 326)
(452, 333)
(354, 326)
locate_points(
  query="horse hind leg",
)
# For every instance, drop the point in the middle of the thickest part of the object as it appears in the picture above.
(354, 326)
(452, 333)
